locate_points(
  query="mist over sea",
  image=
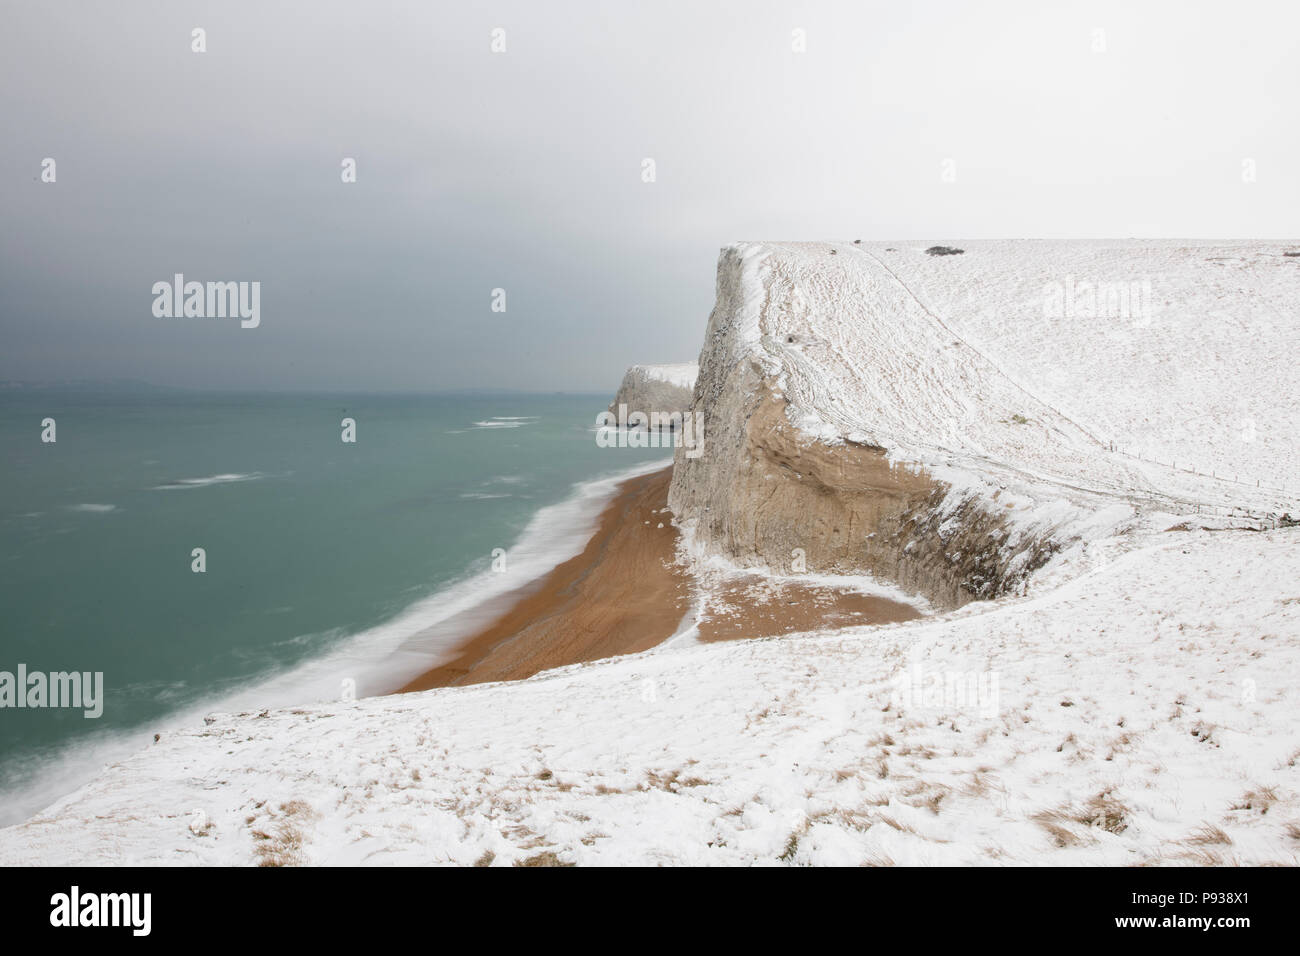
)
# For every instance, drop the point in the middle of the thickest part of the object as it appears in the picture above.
(326, 561)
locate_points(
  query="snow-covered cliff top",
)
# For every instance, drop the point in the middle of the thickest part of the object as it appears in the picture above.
(681, 374)
(657, 388)
(1140, 367)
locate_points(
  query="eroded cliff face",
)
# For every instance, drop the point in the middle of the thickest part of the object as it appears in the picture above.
(764, 493)
(783, 501)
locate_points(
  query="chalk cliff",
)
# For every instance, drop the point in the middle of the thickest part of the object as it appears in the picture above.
(665, 389)
(951, 422)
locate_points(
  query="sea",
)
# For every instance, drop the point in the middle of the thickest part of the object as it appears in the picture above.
(218, 552)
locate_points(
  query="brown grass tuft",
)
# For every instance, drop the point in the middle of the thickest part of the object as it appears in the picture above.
(284, 846)
(547, 858)
(1258, 800)
(1208, 835)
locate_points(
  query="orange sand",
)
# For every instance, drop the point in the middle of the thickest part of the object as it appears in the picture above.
(625, 594)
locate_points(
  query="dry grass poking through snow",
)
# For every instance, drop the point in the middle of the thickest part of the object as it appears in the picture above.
(278, 834)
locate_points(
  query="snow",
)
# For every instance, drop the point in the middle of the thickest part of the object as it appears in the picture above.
(963, 360)
(1138, 703)
(681, 374)
(1145, 712)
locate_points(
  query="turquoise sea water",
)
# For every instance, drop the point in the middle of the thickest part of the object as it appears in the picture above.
(326, 561)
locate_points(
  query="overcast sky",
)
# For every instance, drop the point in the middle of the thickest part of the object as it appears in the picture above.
(522, 170)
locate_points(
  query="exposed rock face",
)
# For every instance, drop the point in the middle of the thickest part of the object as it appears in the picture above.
(765, 493)
(663, 389)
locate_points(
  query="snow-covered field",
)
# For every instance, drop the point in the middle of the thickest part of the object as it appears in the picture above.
(1139, 703)
(1146, 712)
(1151, 368)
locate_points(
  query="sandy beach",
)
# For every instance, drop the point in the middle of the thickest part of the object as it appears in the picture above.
(625, 593)
(621, 595)
(759, 606)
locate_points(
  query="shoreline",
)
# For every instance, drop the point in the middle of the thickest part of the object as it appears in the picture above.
(625, 593)
(621, 594)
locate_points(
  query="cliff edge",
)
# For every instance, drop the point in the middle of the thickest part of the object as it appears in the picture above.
(666, 389)
(950, 418)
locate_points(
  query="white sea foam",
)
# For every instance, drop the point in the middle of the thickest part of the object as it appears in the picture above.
(183, 483)
(506, 421)
(93, 509)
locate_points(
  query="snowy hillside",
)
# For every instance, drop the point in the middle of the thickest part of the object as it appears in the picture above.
(1147, 712)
